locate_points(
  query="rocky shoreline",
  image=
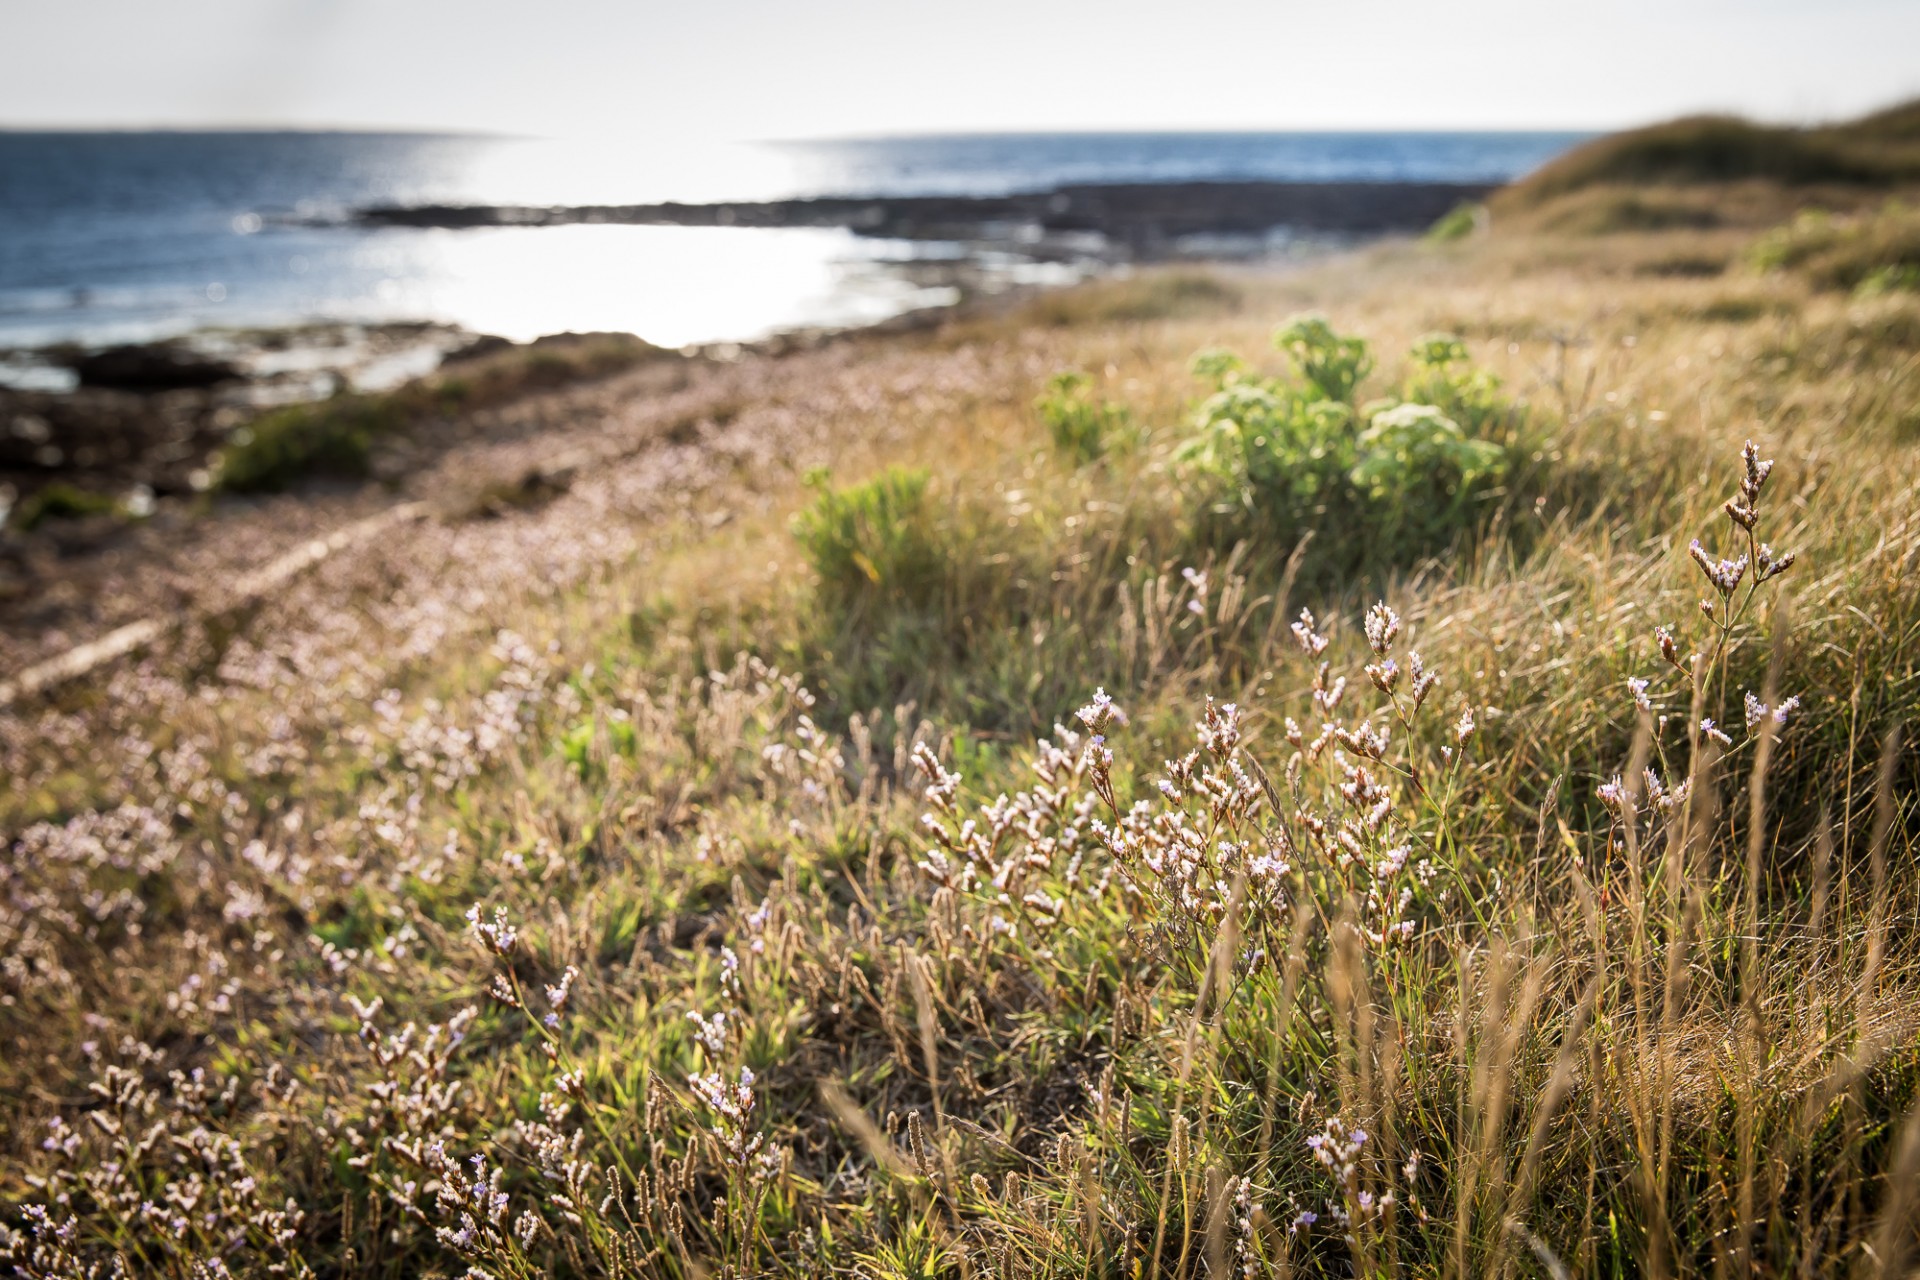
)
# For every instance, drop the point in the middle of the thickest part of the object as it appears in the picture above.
(1139, 221)
(140, 421)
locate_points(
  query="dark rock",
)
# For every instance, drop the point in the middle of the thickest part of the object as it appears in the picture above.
(1144, 217)
(481, 347)
(157, 366)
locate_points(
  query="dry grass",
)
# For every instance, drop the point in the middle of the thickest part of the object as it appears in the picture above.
(1876, 151)
(249, 1027)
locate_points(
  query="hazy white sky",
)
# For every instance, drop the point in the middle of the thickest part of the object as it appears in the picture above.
(777, 68)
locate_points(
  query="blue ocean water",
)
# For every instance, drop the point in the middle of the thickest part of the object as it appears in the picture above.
(119, 236)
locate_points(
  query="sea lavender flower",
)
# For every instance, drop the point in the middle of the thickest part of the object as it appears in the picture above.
(1725, 575)
(1337, 1147)
(1382, 626)
(1311, 641)
(1669, 648)
(1424, 679)
(1196, 579)
(1757, 711)
(1219, 728)
(1769, 565)
(496, 935)
(1758, 469)
(557, 996)
(710, 1032)
(1100, 712)
(732, 1105)
(1665, 799)
(1327, 696)
(1613, 794)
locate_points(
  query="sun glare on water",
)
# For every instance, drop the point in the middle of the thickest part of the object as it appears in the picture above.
(670, 285)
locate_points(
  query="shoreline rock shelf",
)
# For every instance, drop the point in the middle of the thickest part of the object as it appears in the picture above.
(1145, 219)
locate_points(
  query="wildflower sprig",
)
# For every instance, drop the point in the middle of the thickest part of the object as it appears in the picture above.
(1362, 1206)
(499, 937)
(1734, 586)
(1729, 605)
(1214, 830)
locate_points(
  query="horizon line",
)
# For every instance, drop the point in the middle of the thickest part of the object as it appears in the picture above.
(425, 131)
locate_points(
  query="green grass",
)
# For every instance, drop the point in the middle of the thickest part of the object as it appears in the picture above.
(332, 438)
(1081, 426)
(1878, 252)
(60, 501)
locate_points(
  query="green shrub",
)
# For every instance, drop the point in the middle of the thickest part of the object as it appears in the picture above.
(1271, 441)
(1418, 469)
(1218, 366)
(1458, 223)
(1397, 477)
(1440, 373)
(1789, 245)
(1903, 276)
(1082, 427)
(61, 501)
(1333, 365)
(334, 437)
(873, 540)
(1872, 254)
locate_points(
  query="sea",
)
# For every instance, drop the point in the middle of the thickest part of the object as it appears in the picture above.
(116, 237)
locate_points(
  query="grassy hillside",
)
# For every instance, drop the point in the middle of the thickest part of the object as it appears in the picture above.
(1242, 773)
(1875, 151)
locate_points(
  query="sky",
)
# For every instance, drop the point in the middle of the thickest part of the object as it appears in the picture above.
(757, 69)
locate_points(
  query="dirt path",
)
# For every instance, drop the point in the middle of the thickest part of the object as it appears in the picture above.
(633, 449)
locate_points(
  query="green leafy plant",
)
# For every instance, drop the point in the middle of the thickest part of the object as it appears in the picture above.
(334, 437)
(1218, 366)
(60, 501)
(1082, 427)
(872, 540)
(1440, 373)
(1458, 223)
(1293, 455)
(1333, 364)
